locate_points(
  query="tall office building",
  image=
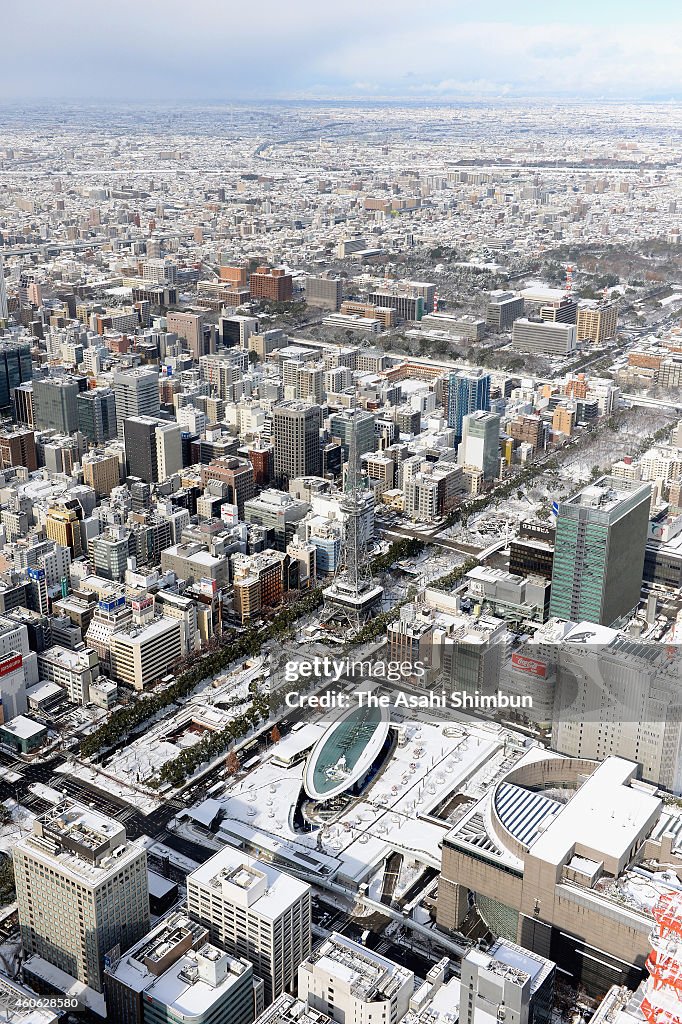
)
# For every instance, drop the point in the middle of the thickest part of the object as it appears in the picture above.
(296, 437)
(255, 911)
(507, 983)
(15, 368)
(238, 476)
(4, 313)
(468, 391)
(341, 427)
(81, 890)
(407, 305)
(278, 513)
(618, 695)
(480, 445)
(55, 405)
(190, 326)
(109, 552)
(153, 448)
(18, 448)
(143, 651)
(236, 330)
(137, 394)
(97, 414)
(18, 665)
(599, 551)
(62, 524)
(102, 472)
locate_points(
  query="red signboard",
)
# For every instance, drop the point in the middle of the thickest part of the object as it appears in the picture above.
(11, 664)
(530, 666)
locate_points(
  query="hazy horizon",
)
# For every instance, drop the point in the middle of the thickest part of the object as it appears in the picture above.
(384, 52)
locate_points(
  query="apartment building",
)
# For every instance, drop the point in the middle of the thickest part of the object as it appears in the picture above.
(597, 321)
(274, 285)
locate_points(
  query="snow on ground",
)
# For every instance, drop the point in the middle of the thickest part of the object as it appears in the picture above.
(145, 801)
(376, 885)
(409, 872)
(20, 825)
(135, 764)
(47, 793)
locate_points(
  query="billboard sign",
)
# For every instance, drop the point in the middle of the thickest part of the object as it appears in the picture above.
(530, 666)
(11, 664)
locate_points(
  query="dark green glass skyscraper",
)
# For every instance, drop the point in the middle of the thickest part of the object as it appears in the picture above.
(15, 368)
(599, 554)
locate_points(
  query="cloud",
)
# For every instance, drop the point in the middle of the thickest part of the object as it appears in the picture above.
(548, 59)
(216, 49)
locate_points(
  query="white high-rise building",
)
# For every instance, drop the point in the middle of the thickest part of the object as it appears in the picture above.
(351, 983)
(81, 890)
(18, 668)
(255, 911)
(137, 394)
(192, 419)
(168, 449)
(4, 314)
(480, 445)
(506, 983)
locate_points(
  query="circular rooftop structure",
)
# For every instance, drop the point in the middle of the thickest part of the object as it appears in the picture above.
(346, 752)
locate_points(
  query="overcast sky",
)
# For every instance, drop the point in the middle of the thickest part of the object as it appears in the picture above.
(436, 49)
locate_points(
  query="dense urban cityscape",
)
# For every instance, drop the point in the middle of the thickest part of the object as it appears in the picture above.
(341, 563)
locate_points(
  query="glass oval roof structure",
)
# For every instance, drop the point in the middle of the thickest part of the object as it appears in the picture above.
(345, 752)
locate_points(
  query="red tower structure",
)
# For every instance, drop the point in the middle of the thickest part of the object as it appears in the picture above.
(662, 1003)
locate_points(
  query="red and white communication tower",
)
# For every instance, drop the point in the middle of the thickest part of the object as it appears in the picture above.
(568, 286)
(662, 1003)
